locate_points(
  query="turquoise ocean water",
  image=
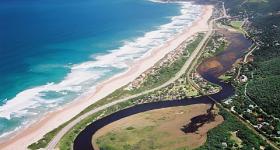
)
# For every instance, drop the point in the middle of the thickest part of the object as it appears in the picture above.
(51, 52)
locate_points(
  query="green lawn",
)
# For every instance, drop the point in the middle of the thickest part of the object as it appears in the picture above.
(225, 77)
(141, 138)
(236, 24)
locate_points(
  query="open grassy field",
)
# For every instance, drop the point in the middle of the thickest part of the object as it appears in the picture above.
(163, 75)
(156, 129)
(236, 24)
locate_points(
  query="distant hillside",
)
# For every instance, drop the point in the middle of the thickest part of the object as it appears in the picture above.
(264, 16)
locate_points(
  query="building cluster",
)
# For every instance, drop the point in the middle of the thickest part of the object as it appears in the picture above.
(179, 89)
(205, 86)
(164, 62)
(260, 120)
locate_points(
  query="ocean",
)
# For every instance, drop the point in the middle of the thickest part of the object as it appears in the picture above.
(51, 52)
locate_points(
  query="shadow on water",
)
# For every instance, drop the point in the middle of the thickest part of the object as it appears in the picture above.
(210, 69)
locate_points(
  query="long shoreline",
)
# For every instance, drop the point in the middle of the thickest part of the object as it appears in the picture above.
(53, 119)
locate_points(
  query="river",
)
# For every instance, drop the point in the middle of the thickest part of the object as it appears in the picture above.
(210, 69)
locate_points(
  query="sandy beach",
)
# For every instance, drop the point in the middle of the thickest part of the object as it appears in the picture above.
(52, 120)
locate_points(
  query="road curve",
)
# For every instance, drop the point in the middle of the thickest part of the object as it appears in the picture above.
(163, 104)
(187, 64)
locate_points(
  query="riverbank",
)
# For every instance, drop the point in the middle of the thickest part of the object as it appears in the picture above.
(227, 91)
(71, 62)
(133, 131)
(232, 135)
(56, 118)
(65, 137)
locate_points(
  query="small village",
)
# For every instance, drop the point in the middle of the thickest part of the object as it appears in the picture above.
(164, 62)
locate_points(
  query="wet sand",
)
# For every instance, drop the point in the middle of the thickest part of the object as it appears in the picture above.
(52, 120)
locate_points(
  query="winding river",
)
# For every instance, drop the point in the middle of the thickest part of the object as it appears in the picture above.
(210, 69)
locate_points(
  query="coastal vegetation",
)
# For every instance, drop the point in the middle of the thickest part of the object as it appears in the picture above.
(246, 108)
(163, 70)
(257, 82)
(234, 137)
(236, 24)
(69, 137)
(179, 89)
(256, 98)
(231, 134)
(265, 93)
(67, 141)
(221, 137)
(162, 75)
(262, 93)
(216, 44)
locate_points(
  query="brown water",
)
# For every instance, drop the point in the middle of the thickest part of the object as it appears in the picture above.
(219, 64)
(210, 69)
(213, 67)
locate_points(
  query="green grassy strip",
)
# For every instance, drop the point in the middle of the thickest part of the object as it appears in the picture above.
(163, 75)
(236, 24)
(68, 139)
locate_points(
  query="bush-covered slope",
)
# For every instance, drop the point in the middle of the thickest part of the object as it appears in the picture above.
(266, 93)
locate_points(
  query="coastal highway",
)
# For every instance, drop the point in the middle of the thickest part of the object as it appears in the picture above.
(186, 66)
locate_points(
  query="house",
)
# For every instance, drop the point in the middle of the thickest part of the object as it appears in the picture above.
(249, 111)
(251, 106)
(228, 101)
(224, 145)
(243, 79)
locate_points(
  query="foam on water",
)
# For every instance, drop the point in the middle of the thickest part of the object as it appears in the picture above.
(31, 103)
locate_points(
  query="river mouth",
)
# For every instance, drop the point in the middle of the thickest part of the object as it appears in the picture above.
(210, 69)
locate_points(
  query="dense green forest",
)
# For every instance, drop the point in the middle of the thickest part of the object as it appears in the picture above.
(263, 86)
(264, 27)
(224, 134)
(265, 92)
(268, 68)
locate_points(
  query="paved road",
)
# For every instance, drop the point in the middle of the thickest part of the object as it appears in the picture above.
(242, 120)
(187, 64)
